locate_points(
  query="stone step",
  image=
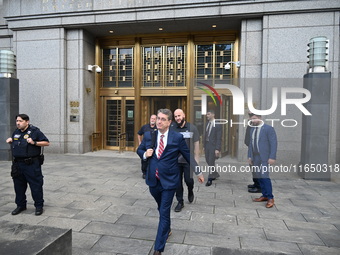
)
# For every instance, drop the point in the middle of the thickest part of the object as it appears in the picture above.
(16, 239)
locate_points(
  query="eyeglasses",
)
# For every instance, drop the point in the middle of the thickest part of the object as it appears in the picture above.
(162, 119)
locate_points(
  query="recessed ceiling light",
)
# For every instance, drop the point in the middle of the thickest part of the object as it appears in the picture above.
(160, 29)
(214, 26)
(111, 31)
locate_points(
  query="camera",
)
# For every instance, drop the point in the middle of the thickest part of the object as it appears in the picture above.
(97, 68)
(227, 66)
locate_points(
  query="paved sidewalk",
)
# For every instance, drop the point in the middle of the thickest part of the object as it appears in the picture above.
(103, 198)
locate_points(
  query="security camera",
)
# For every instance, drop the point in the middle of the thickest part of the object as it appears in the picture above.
(98, 69)
(90, 68)
(227, 66)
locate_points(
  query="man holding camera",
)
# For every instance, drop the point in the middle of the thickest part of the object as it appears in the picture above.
(26, 143)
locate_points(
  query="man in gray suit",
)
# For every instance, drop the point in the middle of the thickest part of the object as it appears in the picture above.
(212, 145)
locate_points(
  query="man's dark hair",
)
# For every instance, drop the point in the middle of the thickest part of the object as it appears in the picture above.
(166, 112)
(253, 114)
(23, 116)
(211, 111)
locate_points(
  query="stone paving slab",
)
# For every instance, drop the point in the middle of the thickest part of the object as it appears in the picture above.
(259, 245)
(84, 240)
(298, 225)
(306, 237)
(235, 230)
(183, 249)
(204, 239)
(103, 198)
(317, 250)
(121, 245)
(228, 251)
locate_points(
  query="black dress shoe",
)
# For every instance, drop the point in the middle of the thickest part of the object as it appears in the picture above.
(191, 196)
(254, 190)
(18, 210)
(157, 253)
(143, 176)
(39, 211)
(250, 186)
(179, 207)
(209, 182)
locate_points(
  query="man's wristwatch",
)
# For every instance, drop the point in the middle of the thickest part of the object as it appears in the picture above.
(35, 143)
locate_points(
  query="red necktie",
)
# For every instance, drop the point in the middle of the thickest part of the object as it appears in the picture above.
(160, 151)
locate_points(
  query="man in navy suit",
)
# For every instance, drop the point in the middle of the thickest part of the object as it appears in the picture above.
(163, 174)
(262, 153)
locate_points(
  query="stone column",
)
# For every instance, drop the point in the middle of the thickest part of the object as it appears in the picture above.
(9, 105)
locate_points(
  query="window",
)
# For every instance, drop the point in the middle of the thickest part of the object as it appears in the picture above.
(164, 66)
(210, 61)
(118, 67)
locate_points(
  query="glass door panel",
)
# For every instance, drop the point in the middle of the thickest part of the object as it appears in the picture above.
(130, 123)
(119, 123)
(113, 122)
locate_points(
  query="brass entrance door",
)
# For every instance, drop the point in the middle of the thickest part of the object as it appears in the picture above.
(119, 123)
(171, 103)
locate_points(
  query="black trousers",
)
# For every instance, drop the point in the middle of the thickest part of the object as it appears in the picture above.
(144, 165)
(210, 158)
(189, 181)
(31, 175)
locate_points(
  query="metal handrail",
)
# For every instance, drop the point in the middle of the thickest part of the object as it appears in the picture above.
(96, 141)
(121, 140)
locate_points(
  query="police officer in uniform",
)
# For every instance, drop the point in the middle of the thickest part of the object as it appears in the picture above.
(26, 143)
(192, 137)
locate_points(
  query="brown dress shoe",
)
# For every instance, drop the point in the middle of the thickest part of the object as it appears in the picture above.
(270, 203)
(169, 234)
(157, 253)
(260, 199)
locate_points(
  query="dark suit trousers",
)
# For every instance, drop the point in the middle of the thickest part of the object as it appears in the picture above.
(164, 200)
(263, 177)
(144, 165)
(210, 159)
(189, 181)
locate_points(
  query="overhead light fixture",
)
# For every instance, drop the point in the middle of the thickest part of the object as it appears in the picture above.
(160, 29)
(214, 26)
(111, 31)
(90, 68)
(227, 66)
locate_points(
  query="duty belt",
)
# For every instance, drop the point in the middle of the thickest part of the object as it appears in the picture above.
(24, 159)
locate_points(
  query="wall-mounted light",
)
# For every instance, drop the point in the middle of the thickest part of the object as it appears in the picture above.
(7, 64)
(318, 54)
(90, 68)
(227, 66)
